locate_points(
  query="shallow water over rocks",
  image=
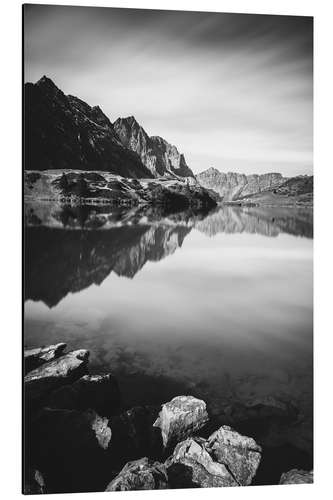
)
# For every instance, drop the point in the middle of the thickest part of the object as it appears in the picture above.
(216, 305)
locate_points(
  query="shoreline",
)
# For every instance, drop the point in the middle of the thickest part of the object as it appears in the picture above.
(112, 445)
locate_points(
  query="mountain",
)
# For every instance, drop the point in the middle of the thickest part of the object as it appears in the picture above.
(63, 132)
(293, 191)
(233, 186)
(160, 157)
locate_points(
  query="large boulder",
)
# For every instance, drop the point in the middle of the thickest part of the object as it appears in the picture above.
(296, 476)
(134, 436)
(191, 466)
(53, 374)
(70, 447)
(33, 358)
(99, 392)
(180, 418)
(142, 474)
(240, 454)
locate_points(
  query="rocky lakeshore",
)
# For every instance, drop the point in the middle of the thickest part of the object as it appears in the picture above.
(79, 437)
(103, 188)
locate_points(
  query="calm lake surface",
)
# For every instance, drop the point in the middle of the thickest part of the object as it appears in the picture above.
(216, 305)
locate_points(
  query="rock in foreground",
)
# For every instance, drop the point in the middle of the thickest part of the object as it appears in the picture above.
(53, 374)
(240, 454)
(134, 436)
(70, 448)
(180, 418)
(296, 476)
(142, 474)
(191, 466)
(99, 392)
(33, 358)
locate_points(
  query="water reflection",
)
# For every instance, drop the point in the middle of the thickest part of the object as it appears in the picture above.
(61, 261)
(66, 247)
(220, 305)
(268, 221)
(255, 220)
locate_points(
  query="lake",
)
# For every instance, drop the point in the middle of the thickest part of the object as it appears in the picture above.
(216, 305)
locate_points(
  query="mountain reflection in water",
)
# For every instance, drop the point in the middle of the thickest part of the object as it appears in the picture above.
(218, 305)
(75, 247)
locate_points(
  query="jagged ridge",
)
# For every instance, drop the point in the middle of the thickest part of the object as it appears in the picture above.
(160, 157)
(65, 132)
(233, 186)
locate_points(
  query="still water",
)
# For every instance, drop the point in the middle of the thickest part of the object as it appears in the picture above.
(216, 305)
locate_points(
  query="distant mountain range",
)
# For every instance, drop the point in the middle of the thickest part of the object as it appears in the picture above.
(64, 132)
(232, 186)
(270, 188)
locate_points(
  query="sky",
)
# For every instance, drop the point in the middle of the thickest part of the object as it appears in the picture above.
(231, 91)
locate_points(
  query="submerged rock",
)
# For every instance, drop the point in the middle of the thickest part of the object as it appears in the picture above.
(191, 466)
(33, 358)
(270, 421)
(66, 369)
(71, 449)
(240, 454)
(99, 392)
(181, 417)
(142, 474)
(296, 476)
(261, 408)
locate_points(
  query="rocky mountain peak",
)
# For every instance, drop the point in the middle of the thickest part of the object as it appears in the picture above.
(130, 121)
(47, 84)
(160, 157)
(64, 132)
(158, 139)
(211, 171)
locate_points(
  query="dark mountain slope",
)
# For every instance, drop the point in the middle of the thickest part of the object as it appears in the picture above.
(64, 132)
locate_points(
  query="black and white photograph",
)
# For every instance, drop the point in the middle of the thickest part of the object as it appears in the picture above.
(167, 249)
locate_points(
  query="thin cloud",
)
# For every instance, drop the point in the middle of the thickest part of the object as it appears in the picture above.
(230, 90)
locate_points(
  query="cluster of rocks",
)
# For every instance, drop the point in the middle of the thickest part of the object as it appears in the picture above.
(77, 438)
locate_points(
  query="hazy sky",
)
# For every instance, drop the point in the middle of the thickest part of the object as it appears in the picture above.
(233, 91)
